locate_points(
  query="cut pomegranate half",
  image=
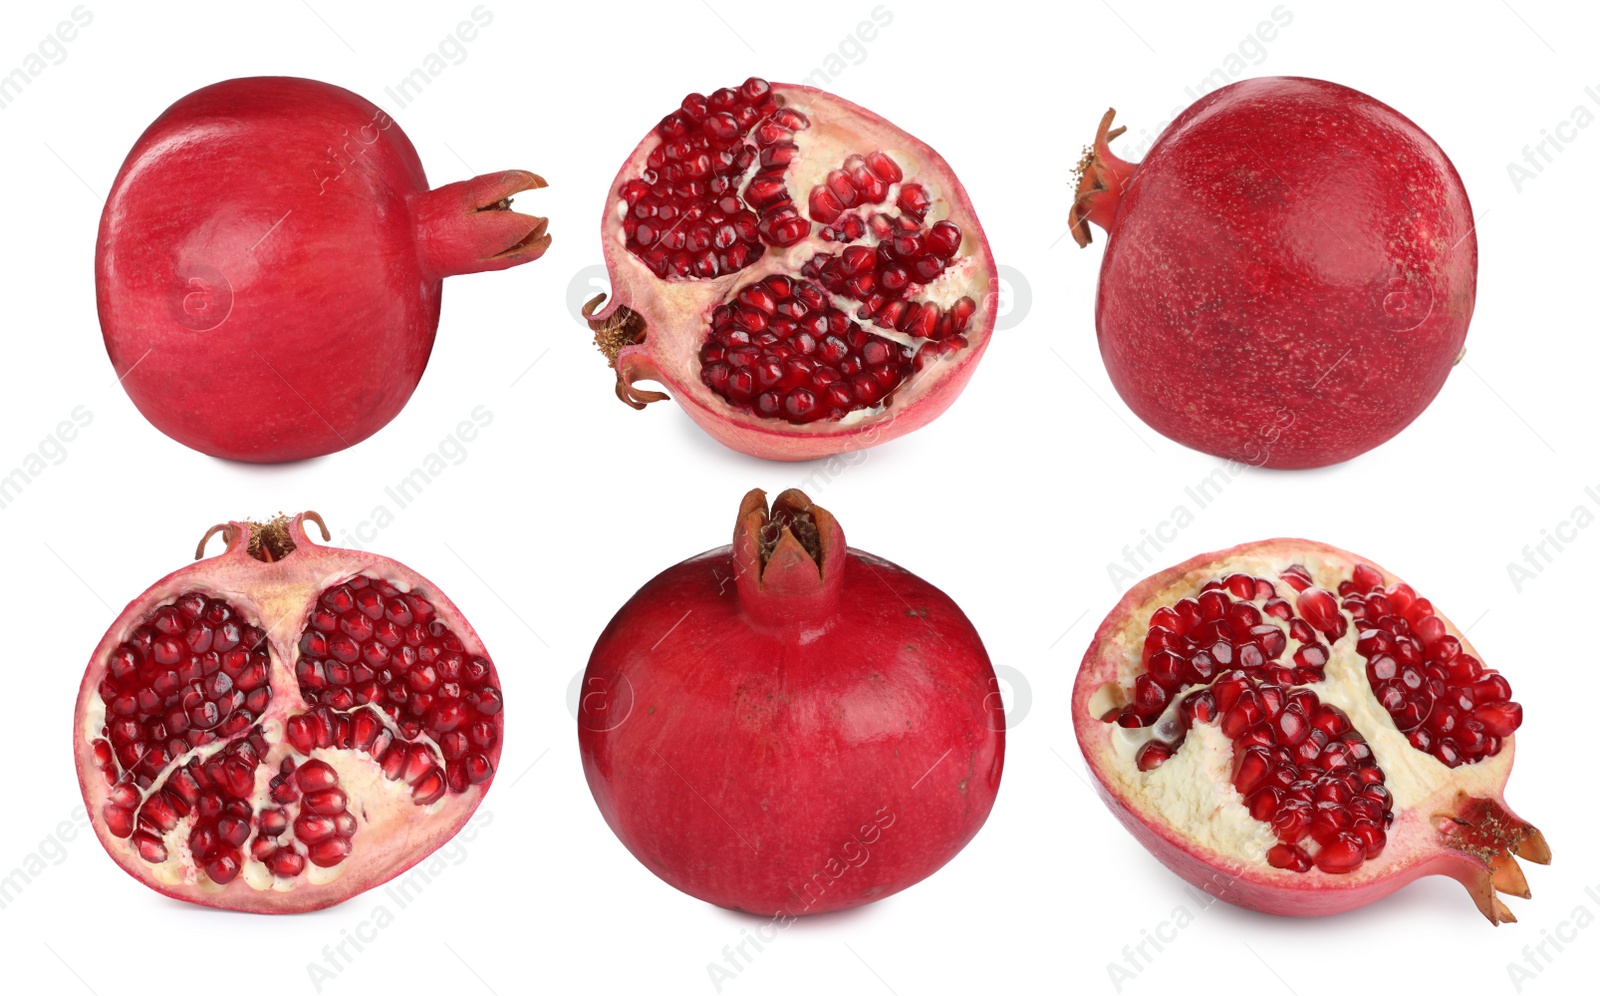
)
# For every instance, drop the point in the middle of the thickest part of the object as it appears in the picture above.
(283, 726)
(1291, 720)
(804, 277)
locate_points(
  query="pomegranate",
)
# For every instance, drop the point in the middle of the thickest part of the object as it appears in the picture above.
(1298, 731)
(803, 277)
(1289, 274)
(285, 725)
(269, 266)
(788, 725)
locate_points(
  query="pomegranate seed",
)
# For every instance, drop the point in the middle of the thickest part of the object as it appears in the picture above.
(1289, 857)
(1319, 609)
(1342, 855)
(1499, 719)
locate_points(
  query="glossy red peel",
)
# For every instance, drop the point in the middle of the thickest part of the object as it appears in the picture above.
(788, 725)
(269, 266)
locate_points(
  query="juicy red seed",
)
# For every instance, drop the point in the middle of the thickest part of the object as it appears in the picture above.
(914, 199)
(1343, 854)
(1152, 754)
(1288, 856)
(1366, 578)
(1321, 610)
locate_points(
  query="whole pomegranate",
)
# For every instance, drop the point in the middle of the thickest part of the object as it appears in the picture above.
(803, 277)
(789, 725)
(1298, 731)
(269, 266)
(1290, 271)
(284, 726)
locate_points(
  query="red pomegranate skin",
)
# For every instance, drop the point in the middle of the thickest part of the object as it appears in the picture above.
(1289, 275)
(762, 756)
(269, 266)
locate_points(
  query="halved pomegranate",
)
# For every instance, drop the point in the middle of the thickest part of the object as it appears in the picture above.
(804, 277)
(284, 726)
(1293, 721)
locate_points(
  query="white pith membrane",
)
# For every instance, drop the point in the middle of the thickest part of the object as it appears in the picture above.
(677, 311)
(387, 821)
(1190, 797)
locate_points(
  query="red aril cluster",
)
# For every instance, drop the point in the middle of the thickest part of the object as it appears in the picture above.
(1443, 699)
(785, 352)
(691, 212)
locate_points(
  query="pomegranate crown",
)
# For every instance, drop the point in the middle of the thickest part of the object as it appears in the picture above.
(1102, 178)
(268, 541)
(788, 559)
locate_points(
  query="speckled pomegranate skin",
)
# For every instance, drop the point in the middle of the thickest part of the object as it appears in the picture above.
(1289, 275)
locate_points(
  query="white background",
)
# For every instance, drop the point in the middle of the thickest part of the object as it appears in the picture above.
(1013, 502)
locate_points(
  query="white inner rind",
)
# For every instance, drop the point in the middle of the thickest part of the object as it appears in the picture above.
(1192, 791)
